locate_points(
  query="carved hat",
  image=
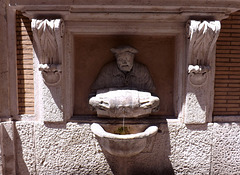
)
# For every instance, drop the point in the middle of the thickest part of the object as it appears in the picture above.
(122, 49)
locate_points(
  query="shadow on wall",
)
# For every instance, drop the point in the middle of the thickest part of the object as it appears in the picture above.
(154, 161)
(21, 167)
(12, 164)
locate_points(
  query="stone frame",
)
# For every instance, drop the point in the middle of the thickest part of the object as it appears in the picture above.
(115, 19)
(174, 29)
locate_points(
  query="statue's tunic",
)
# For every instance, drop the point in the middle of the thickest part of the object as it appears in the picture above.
(111, 77)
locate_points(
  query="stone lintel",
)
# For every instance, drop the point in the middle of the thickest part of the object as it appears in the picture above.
(153, 10)
(126, 4)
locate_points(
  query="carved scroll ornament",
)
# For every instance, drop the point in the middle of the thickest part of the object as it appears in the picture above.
(202, 40)
(48, 39)
(198, 75)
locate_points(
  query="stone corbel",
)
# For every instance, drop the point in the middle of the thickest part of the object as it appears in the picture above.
(48, 37)
(202, 37)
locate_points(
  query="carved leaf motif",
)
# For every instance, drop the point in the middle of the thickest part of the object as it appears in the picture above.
(48, 43)
(47, 35)
(202, 38)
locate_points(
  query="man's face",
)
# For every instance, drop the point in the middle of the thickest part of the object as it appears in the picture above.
(125, 61)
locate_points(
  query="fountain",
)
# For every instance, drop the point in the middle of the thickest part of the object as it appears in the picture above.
(124, 89)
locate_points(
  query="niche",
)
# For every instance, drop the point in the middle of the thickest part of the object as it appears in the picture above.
(91, 52)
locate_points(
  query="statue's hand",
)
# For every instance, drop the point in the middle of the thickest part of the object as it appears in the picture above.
(103, 105)
(152, 102)
(98, 103)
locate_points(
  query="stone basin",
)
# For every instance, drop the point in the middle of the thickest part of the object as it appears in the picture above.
(124, 103)
(124, 145)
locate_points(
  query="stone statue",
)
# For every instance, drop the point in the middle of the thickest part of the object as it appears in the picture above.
(124, 87)
(124, 73)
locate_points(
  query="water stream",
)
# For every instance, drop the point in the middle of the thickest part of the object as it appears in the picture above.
(123, 125)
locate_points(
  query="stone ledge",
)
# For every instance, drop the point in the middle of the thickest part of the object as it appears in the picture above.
(147, 120)
(226, 119)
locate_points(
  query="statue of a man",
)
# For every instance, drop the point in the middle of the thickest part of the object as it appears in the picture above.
(124, 87)
(124, 73)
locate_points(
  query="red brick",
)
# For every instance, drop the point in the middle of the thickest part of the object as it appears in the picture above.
(223, 51)
(226, 105)
(221, 85)
(227, 21)
(221, 113)
(25, 65)
(222, 68)
(223, 43)
(234, 93)
(228, 64)
(223, 60)
(228, 39)
(230, 30)
(220, 101)
(235, 51)
(233, 109)
(235, 60)
(220, 109)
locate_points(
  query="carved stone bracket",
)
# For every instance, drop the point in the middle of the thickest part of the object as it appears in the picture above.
(48, 36)
(202, 40)
(202, 37)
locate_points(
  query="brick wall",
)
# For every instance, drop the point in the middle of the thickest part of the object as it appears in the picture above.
(24, 65)
(227, 78)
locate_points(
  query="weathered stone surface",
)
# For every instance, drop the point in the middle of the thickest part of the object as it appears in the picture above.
(153, 160)
(124, 145)
(124, 103)
(52, 105)
(190, 148)
(7, 148)
(71, 149)
(48, 39)
(4, 89)
(48, 36)
(124, 73)
(25, 146)
(177, 150)
(226, 148)
(166, 3)
(1, 152)
(123, 88)
(48, 99)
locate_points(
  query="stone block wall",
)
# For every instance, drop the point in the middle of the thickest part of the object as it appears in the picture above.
(227, 78)
(24, 65)
(178, 149)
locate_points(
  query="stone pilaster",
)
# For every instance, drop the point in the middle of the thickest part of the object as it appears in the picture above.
(4, 74)
(48, 55)
(202, 37)
(7, 148)
(1, 152)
